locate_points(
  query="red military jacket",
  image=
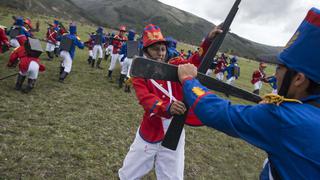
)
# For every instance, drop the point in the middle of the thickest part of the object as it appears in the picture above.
(258, 76)
(117, 43)
(156, 104)
(20, 53)
(89, 44)
(221, 65)
(3, 39)
(52, 36)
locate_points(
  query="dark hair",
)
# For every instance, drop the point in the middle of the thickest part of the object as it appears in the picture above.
(313, 88)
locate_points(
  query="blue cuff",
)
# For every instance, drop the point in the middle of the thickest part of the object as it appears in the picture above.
(154, 106)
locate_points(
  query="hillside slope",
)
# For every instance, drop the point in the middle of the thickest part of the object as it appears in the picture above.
(82, 129)
(136, 14)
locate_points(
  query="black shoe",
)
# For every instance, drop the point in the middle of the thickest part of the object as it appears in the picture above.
(256, 92)
(61, 70)
(109, 73)
(110, 76)
(56, 52)
(63, 76)
(106, 57)
(50, 55)
(92, 62)
(98, 63)
(20, 80)
(121, 80)
(89, 59)
(127, 88)
(30, 86)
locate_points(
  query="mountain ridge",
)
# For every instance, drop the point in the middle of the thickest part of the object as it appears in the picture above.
(182, 25)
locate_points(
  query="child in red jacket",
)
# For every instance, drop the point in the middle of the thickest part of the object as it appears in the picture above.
(160, 100)
(29, 66)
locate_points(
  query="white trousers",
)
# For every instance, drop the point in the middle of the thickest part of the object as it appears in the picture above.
(142, 156)
(231, 80)
(14, 43)
(33, 71)
(50, 47)
(66, 61)
(109, 49)
(114, 59)
(220, 76)
(126, 66)
(209, 72)
(257, 85)
(90, 53)
(57, 44)
(97, 50)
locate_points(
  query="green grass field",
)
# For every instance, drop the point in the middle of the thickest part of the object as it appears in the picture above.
(82, 129)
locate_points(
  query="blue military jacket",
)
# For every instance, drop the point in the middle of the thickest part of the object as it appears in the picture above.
(289, 132)
(76, 42)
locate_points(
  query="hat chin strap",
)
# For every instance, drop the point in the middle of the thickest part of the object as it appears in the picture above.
(286, 83)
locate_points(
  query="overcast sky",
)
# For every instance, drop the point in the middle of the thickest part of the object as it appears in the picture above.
(269, 22)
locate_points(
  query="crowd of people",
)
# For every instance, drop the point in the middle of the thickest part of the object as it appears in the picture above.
(105, 45)
(285, 127)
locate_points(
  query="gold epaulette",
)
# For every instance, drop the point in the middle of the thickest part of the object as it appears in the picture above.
(198, 91)
(277, 99)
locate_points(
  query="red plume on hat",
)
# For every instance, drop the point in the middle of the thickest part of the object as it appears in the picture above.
(151, 35)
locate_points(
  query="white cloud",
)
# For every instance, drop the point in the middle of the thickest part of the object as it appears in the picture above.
(265, 21)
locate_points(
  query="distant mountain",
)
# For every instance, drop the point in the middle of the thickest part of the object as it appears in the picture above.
(136, 14)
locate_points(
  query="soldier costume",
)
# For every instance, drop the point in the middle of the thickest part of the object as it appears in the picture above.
(117, 42)
(4, 42)
(67, 52)
(98, 40)
(157, 97)
(18, 33)
(29, 66)
(288, 130)
(258, 77)
(233, 70)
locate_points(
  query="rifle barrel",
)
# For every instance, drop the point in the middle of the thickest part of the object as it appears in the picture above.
(217, 41)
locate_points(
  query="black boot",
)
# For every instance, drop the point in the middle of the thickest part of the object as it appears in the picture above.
(127, 88)
(106, 56)
(121, 80)
(98, 63)
(256, 92)
(89, 60)
(92, 62)
(52, 54)
(20, 80)
(50, 57)
(61, 70)
(30, 86)
(56, 52)
(63, 75)
(127, 85)
(110, 75)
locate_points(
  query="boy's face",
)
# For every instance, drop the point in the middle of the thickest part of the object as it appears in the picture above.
(121, 33)
(157, 51)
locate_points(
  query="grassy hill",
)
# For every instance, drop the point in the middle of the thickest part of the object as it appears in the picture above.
(136, 14)
(82, 129)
